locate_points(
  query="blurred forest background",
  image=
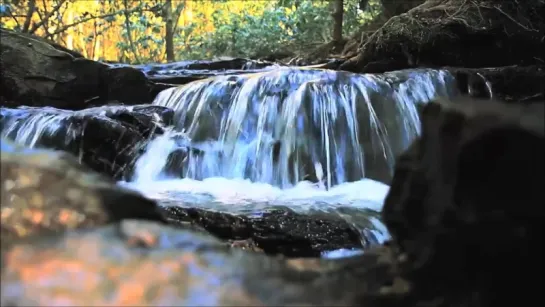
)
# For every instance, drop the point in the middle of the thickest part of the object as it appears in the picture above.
(161, 31)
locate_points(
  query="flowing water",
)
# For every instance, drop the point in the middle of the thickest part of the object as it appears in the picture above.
(284, 126)
(309, 139)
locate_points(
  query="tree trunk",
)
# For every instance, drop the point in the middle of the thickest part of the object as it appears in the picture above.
(28, 19)
(169, 32)
(337, 14)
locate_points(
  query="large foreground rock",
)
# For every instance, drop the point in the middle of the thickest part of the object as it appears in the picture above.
(35, 73)
(108, 139)
(137, 263)
(458, 33)
(466, 205)
(44, 191)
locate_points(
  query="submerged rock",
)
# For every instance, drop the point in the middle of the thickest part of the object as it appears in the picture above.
(466, 205)
(107, 139)
(37, 73)
(45, 191)
(142, 263)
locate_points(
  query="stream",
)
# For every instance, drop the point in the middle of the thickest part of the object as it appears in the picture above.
(311, 140)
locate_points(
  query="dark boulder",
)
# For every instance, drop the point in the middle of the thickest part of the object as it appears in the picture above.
(107, 139)
(46, 192)
(457, 33)
(36, 73)
(466, 205)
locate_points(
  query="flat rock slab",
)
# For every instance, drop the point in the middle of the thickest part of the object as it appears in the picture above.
(187, 71)
(279, 231)
(43, 191)
(136, 263)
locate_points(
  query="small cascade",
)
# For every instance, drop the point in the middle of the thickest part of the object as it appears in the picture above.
(56, 128)
(293, 124)
(35, 127)
(158, 149)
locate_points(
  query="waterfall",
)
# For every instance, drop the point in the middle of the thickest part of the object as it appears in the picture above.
(293, 124)
(310, 139)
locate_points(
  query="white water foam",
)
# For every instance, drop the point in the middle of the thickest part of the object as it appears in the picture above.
(241, 196)
(362, 194)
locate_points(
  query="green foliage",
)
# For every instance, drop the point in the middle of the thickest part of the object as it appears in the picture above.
(134, 31)
(284, 25)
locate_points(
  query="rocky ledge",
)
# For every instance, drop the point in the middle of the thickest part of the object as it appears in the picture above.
(465, 210)
(106, 139)
(36, 72)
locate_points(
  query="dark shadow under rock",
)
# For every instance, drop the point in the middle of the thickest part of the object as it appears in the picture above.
(107, 139)
(511, 83)
(278, 231)
(140, 263)
(45, 191)
(467, 202)
(37, 73)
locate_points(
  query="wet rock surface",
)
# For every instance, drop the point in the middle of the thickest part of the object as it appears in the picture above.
(37, 73)
(107, 139)
(187, 71)
(471, 188)
(278, 231)
(45, 192)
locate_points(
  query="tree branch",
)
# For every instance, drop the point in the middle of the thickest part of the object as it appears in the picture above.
(177, 14)
(15, 18)
(30, 12)
(44, 20)
(91, 17)
(129, 35)
(45, 25)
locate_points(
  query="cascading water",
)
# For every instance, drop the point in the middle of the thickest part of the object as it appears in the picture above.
(303, 138)
(29, 126)
(49, 127)
(252, 142)
(285, 126)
